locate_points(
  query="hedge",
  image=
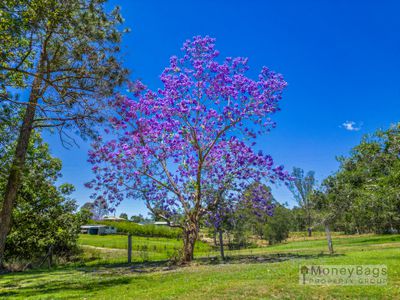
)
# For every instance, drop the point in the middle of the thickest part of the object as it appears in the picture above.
(143, 230)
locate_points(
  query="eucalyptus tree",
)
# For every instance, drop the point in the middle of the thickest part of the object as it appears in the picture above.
(302, 187)
(59, 61)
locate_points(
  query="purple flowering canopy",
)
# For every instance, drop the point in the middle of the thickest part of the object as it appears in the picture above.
(182, 147)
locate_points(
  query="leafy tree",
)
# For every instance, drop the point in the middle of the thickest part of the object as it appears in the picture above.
(63, 55)
(298, 221)
(272, 225)
(367, 187)
(88, 206)
(302, 187)
(327, 208)
(254, 217)
(176, 146)
(96, 209)
(123, 216)
(363, 196)
(277, 228)
(43, 216)
(138, 219)
(44, 219)
(220, 219)
(249, 212)
(99, 209)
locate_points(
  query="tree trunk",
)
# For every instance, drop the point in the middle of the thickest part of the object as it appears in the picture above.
(190, 234)
(215, 238)
(309, 221)
(221, 244)
(329, 239)
(129, 248)
(309, 229)
(14, 178)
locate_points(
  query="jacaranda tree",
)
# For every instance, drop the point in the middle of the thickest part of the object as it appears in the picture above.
(181, 147)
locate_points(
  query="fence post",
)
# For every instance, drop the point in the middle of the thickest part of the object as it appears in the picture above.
(50, 256)
(129, 248)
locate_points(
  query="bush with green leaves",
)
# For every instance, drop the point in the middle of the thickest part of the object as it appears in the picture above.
(277, 228)
(43, 221)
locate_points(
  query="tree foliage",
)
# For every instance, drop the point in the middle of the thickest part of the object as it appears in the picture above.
(365, 192)
(277, 227)
(302, 187)
(59, 62)
(123, 216)
(71, 48)
(176, 146)
(44, 215)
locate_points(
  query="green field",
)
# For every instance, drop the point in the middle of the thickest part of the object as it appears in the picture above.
(262, 273)
(97, 248)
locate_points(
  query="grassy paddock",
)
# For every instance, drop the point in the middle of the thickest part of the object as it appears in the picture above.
(303, 235)
(237, 279)
(112, 248)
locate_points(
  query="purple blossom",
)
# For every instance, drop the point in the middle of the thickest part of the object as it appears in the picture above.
(175, 146)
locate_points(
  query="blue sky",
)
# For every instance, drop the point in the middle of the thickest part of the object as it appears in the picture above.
(341, 60)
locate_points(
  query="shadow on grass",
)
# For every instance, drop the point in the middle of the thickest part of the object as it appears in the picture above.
(116, 265)
(165, 265)
(74, 279)
(266, 258)
(94, 278)
(85, 285)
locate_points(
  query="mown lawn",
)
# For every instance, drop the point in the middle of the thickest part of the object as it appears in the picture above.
(237, 279)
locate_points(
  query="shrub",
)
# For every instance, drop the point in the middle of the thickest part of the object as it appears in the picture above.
(42, 223)
(277, 228)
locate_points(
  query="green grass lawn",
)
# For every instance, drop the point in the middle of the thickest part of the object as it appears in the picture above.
(237, 279)
(112, 248)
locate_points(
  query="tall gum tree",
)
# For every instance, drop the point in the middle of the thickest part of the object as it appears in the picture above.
(302, 187)
(59, 61)
(178, 147)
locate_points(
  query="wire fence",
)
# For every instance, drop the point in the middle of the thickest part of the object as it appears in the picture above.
(115, 249)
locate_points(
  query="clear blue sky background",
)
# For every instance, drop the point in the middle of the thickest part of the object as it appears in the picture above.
(340, 58)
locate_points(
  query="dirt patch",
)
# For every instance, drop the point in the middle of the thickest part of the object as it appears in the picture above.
(104, 249)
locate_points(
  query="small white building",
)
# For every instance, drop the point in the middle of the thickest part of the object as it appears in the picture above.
(98, 229)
